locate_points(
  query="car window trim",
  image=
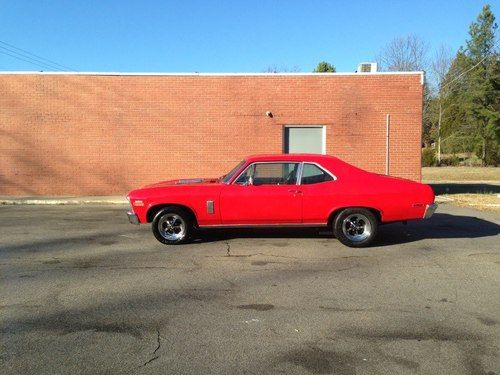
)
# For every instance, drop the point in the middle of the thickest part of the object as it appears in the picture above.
(320, 167)
(299, 172)
(242, 162)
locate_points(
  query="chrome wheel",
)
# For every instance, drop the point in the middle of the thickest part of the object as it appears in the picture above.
(172, 227)
(356, 227)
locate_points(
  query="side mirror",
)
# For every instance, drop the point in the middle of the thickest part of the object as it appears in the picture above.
(249, 181)
(246, 181)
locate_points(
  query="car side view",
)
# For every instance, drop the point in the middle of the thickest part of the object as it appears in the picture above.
(282, 190)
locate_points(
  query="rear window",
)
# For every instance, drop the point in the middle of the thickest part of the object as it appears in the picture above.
(312, 174)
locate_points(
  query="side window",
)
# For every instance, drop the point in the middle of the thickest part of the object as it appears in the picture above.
(269, 174)
(312, 174)
(275, 174)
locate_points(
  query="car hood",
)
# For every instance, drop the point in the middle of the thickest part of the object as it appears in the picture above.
(185, 181)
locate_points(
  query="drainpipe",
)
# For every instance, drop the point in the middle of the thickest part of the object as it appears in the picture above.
(387, 125)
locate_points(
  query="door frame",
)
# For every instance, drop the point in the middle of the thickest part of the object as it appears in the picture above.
(291, 191)
(323, 135)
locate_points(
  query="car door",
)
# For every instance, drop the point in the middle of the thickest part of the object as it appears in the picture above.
(319, 193)
(265, 193)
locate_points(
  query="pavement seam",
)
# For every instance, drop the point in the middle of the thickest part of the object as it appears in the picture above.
(154, 356)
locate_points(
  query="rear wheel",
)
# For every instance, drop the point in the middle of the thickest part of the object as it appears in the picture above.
(355, 227)
(172, 225)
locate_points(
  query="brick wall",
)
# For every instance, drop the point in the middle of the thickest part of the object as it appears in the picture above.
(90, 134)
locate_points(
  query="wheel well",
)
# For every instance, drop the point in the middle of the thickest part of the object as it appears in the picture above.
(334, 214)
(150, 215)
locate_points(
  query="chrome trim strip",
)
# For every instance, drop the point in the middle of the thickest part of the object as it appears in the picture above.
(429, 210)
(299, 173)
(264, 225)
(132, 218)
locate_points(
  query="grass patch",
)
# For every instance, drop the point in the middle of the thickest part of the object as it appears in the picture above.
(461, 174)
(484, 202)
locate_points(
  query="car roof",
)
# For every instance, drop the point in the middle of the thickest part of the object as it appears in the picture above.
(290, 157)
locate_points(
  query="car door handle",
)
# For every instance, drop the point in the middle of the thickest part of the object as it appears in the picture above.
(295, 191)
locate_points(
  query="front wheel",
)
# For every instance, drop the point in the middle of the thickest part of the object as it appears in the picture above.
(172, 225)
(355, 227)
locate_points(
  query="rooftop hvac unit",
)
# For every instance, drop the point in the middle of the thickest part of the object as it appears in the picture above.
(368, 67)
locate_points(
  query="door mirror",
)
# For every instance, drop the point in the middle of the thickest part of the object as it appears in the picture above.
(248, 181)
(244, 180)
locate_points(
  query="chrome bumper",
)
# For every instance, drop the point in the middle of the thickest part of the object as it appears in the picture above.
(429, 210)
(132, 218)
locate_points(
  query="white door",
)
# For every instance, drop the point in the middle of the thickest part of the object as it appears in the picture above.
(304, 139)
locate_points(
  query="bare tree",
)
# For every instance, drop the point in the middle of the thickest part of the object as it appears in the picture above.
(407, 53)
(440, 65)
(281, 69)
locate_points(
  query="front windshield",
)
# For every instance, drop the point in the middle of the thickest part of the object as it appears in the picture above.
(227, 177)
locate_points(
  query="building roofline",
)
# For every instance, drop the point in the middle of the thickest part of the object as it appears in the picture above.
(209, 74)
(294, 74)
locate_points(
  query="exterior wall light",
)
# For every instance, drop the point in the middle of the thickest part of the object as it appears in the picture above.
(269, 114)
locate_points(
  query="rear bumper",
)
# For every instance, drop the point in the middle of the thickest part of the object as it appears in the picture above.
(429, 210)
(132, 218)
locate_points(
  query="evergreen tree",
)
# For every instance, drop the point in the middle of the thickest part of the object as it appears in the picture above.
(471, 92)
(325, 67)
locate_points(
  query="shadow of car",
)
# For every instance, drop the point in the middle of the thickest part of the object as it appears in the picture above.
(440, 226)
(464, 188)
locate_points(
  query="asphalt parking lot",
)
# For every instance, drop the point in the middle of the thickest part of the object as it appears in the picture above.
(83, 291)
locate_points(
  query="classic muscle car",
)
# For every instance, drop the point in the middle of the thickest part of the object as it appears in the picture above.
(282, 190)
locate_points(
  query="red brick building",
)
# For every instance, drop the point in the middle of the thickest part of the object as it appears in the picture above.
(103, 134)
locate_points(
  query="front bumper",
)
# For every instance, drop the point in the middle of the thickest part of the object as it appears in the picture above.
(429, 210)
(132, 218)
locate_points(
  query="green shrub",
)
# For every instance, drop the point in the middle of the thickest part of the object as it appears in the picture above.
(451, 161)
(428, 157)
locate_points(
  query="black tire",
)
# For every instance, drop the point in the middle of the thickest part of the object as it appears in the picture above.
(172, 225)
(355, 227)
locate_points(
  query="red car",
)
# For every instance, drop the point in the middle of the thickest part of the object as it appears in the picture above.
(282, 190)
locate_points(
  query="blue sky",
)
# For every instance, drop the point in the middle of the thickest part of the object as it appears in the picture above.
(223, 36)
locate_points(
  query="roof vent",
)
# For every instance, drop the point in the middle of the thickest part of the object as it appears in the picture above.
(367, 67)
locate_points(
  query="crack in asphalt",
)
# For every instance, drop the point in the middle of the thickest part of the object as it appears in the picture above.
(228, 248)
(158, 339)
(154, 356)
(151, 360)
